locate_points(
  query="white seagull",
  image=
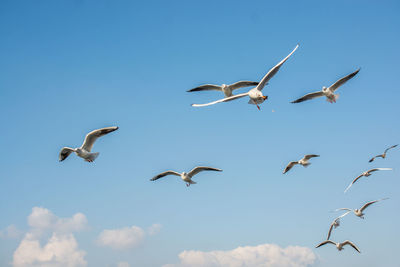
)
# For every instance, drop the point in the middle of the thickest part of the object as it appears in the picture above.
(339, 246)
(227, 89)
(366, 174)
(303, 161)
(186, 177)
(359, 212)
(335, 224)
(382, 155)
(329, 92)
(255, 94)
(84, 150)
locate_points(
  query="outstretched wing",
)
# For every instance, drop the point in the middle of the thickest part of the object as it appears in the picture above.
(387, 149)
(366, 205)
(206, 87)
(92, 137)
(161, 175)
(325, 242)
(196, 170)
(289, 166)
(379, 169)
(273, 71)
(377, 156)
(227, 99)
(347, 242)
(308, 97)
(241, 84)
(310, 156)
(64, 153)
(342, 81)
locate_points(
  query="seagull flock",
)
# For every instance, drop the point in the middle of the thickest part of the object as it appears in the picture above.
(256, 97)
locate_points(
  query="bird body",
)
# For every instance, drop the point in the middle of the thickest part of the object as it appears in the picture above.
(339, 246)
(360, 212)
(255, 94)
(328, 92)
(382, 155)
(85, 150)
(186, 177)
(304, 162)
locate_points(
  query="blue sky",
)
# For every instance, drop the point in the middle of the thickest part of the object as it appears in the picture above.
(69, 67)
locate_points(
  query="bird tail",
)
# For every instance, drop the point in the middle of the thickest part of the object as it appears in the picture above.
(93, 156)
(336, 96)
(306, 164)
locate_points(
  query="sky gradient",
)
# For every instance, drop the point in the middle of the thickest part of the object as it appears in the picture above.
(69, 67)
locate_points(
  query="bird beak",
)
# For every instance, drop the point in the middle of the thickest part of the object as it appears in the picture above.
(265, 97)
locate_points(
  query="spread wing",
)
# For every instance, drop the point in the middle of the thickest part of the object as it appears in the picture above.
(289, 166)
(65, 152)
(347, 242)
(241, 84)
(161, 175)
(309, 96)
(206, 87)
(227, 99)
(92, 137)
(273, 71)
(325, 242)
(377, 156)
(196, 170)
(343, 80)
(366, 205)
(355, 180)
(390, 148)
(379, 169)
(310, 156)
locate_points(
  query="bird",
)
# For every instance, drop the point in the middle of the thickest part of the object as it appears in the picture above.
(255, 94)
(303, 161)
(359, 212)
(85, 150)
(336, 223)
(227, 89)
(186, 177)
(366, 174)
(329, 92)
(382, 155)
(339, 246)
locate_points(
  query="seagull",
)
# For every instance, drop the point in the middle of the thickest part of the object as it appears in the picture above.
(366, 174)
(227, 89)
(359, 212)
(382, 155)
(84, 150)
(336, 223)
(339, 246)
(255, 94)
(328, 91)
(303, 161)
(186, 177)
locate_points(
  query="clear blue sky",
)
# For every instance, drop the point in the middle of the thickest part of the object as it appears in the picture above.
(68, 67)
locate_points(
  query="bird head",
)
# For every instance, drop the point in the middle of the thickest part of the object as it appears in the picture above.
(265, 97)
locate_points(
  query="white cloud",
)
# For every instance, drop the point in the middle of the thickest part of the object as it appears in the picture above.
(123, 264)
(61, 248)
(266, 255)
(11, 232)
(122, 238)
(154, 229)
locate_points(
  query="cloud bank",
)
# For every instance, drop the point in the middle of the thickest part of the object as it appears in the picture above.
(266, 255)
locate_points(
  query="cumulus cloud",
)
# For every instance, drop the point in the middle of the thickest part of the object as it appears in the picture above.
(11, 232)
(122, 238)
(61, 248)
(266, 255)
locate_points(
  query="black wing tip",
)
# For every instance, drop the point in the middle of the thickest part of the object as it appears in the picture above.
(371, 160)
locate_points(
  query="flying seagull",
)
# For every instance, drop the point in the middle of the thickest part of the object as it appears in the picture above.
(382, 155)
(186, 177)
(329, 92)
(227, 89)
(359, 212)
(85, 150)
(366, 174)
(255, 94)
(303, 161)
(336, 223)
(339, 246)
